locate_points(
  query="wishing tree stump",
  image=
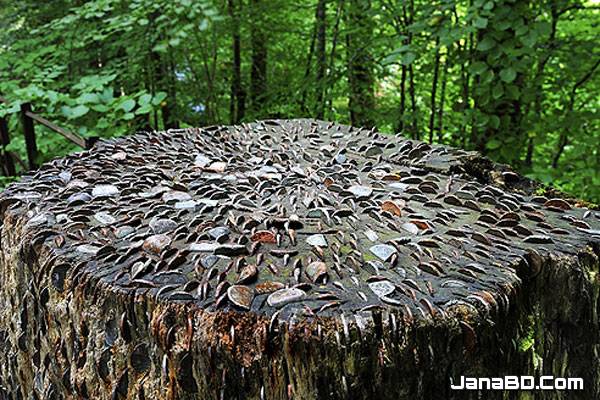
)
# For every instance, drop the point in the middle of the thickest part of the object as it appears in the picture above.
(289, 260)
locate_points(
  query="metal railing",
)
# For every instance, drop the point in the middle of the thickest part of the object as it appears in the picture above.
(28, 118)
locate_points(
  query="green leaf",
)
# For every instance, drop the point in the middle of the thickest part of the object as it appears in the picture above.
(408, 58)
(127, 105)
(497, 91)
(493, 144)
(78, 111)
(101, 108)
(480, 22)
(160, 48)
(508, 74)
(158, 98)
(494, 121)
(144, 110)
(145, 99)
(478, 67)
(88, 98)
(486, 44)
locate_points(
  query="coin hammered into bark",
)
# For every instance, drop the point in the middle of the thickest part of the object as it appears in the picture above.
(263, 237)
(317, 271)
(156, 243)
(383, 251)
(360, 192)
(241, 296)
(317, 240)
(105, 191)
(382, 288)
(392, 207)
(285, 296)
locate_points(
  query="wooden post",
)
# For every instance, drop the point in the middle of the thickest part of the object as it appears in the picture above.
(8, 165)
(29, 132)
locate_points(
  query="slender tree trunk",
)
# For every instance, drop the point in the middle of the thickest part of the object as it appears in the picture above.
(360, 63)
(399, 22)
(400, 124)
(321, 59)
(539, 76)
(258, 74)
(563, 139)
(409, 15)
(161, 82)
(413, 102)
(331, 69)
(307, 69)
(436, 70)
(237, 104)
(443, 99)
(504, 113)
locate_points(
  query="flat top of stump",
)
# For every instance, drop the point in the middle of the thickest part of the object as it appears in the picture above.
(299, 217)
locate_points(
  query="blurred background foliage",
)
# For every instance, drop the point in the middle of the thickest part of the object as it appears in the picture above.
(515, 79)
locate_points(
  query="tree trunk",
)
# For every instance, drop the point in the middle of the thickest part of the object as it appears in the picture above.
(506, 110)
(443, 99)
(409, 16)
(321, 59)
(311, 298)
(539, 77)
(258, 74)
(434, 83)
(563, 139)
(331, 70)
(237, 102)
(307, 69)
(163, 83)
(360, 63)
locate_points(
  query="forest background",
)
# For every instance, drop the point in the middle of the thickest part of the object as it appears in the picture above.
(518, 80)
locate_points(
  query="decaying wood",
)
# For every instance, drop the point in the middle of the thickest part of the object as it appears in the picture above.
(289, 259)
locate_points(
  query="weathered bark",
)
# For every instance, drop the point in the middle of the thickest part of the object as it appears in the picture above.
(487, 280)
(361, 99)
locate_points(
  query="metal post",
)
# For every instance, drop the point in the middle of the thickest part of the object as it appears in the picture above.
(29, 133)
(8, 164)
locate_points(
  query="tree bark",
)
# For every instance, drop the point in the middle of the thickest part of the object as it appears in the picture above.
(409, 15)
(360, 63)
(237, 102)
(321, 58)
(95, 307)
(443, 98)
(307, 69)
(258, 74)
(331, 70)
(434, 83)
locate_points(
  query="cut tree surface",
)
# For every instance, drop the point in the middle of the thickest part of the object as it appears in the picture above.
(290, 260)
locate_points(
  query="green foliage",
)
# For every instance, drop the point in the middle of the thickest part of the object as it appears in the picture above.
(517, 80)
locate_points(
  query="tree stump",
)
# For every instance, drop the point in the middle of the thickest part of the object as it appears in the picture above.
(290, 260)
